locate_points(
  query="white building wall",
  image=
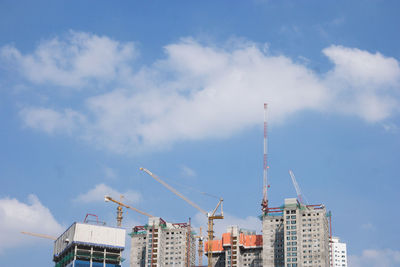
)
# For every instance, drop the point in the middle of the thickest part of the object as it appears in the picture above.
(339, 251)
(90, 234)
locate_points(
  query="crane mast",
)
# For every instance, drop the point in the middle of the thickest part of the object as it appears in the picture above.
(211, 216)
(200, 248)
(264, 203)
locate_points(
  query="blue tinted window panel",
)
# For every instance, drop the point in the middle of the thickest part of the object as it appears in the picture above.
(82, 264)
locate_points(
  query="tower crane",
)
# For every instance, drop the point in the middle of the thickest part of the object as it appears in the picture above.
(40, 235)
(211, 216)
(200, 249)
(119, 209)
(264, 203)
(297, 187)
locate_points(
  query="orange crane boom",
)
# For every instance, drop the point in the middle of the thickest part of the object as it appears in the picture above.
(210, 215)
(119, 209)
(40, 235)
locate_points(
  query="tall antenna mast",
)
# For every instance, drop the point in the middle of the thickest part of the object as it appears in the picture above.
(264, 203)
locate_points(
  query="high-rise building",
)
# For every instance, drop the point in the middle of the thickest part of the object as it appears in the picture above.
(89, 245)
(296, 235)
(238, 247)
(160, 243)
(338, 253)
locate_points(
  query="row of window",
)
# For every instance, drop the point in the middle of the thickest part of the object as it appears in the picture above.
(290, 211)
(316, 219)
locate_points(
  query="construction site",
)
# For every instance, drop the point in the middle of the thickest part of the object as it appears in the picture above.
(295, 234)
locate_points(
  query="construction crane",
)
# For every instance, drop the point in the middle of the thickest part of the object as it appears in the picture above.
(40, 235)
(297, 187)
(264, 203)
(200, 249)
(210, 215)
(119, 209)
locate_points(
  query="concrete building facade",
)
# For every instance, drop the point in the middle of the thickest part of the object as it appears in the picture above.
(338, 253)
(160, 244)
(296, 235)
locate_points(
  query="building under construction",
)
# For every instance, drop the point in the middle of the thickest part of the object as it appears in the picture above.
(160, 243)
(89, 245)
(238, 247)
(293, 235)
(296, 235)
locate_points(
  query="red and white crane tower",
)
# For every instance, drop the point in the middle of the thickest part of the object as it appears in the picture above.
(264, 203)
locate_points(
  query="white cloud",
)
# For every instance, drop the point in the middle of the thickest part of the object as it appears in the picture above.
(51, 121)
(16, 216)
(97, 194)
(187, 172)
(364, 84)
(74, 60)
(391, 127)
(363, 69)
(202, 91)
(375, 258)
(220, 226)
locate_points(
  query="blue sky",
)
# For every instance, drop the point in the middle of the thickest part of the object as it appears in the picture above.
(92, 90)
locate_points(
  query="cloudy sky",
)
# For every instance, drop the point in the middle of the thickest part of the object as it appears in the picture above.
(92, 90)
